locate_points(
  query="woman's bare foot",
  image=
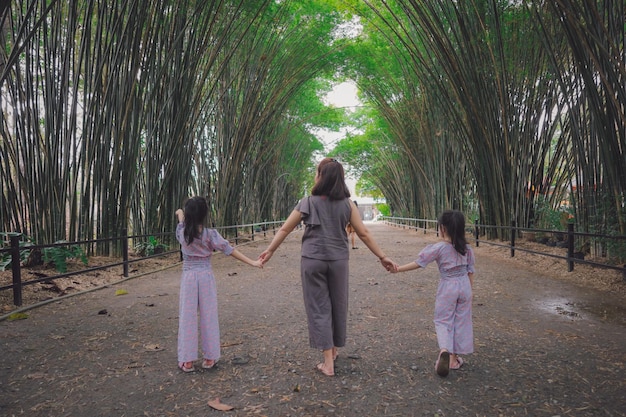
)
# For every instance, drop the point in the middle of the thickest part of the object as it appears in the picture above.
(335, 353)
(328, 366)
(328, 371)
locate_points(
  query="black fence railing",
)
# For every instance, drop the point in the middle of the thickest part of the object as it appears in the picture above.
(565, 239)
(17, 248)
(247, 232)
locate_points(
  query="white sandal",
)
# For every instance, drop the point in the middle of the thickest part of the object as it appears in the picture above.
(205, 364)
(185, 369)
(459, 361)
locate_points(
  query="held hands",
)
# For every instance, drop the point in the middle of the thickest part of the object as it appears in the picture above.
(265, 256)
(389, 265)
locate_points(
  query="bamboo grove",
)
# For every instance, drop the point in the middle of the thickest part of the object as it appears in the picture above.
(114, 111)
(498, 108)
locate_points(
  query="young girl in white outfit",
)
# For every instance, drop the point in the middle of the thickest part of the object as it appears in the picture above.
(453, 304)
(198, 293)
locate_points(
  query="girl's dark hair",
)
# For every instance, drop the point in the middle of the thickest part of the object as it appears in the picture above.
(331, 180)
(195, 209)
(454, 222)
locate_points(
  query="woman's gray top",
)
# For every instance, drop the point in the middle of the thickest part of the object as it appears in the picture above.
(325, 221)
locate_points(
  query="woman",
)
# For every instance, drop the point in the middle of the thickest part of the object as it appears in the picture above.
(324, 261)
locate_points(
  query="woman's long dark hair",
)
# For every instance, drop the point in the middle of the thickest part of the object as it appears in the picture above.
(195, 209)
(331, 181)
(454, 222)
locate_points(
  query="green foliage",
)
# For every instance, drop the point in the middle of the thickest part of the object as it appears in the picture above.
(58, 255)
(383, 209)
(546, 216)
(5, 257)
(150, 247)
(605, 220)
(5, 261)
(471, 102)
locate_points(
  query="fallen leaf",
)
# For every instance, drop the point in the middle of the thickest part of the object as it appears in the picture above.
(152, 347)
(217, 405)
(18, 316)
(121, 292)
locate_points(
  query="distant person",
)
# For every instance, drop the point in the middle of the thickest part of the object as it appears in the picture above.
(198, 293)
(350, 230)
(453, 303)
(324, 259)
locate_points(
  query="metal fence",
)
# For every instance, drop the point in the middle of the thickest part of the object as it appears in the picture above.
(567, 239)
(16, 249)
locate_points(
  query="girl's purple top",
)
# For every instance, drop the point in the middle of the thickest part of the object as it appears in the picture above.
(451, 263)
(203, 246)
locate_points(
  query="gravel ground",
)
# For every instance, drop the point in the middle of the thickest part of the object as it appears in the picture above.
(548, 343)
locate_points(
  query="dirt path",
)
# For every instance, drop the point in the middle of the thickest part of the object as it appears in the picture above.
(544, 347)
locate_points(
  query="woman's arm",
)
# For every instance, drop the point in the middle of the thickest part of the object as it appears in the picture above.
(366, 237)
(292, 221)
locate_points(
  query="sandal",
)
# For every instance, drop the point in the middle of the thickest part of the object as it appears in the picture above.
(209, 364)
(459, 363)
(185, 368)
(442, 366)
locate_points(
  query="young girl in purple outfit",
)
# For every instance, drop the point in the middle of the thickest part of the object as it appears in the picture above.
(453, 304)
(198, 292)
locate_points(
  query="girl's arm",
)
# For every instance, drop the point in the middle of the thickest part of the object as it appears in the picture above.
(292, 221)
(243, 258)
(181, 215)
(407, 267)
(366, 237)
(471, 278)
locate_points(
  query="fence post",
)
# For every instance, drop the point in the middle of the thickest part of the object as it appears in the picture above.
(513, 238)
(15, 269)
(570, 247)
(476, 231)
(252, 232)
(125, 251)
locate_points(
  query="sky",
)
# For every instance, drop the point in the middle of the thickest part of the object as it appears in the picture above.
(342, 95)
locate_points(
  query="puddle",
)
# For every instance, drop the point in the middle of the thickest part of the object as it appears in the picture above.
(578, 310)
